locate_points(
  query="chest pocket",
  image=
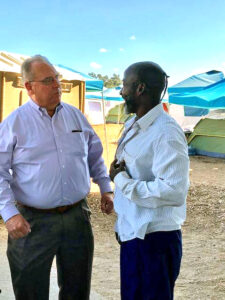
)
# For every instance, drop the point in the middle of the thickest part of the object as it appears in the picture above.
(74, 143)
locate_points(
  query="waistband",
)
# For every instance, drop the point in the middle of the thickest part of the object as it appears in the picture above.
(59, 209)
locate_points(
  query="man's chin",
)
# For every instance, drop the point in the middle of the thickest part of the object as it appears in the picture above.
(128, 109)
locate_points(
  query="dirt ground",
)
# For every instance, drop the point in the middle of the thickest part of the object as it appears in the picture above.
(202, 273)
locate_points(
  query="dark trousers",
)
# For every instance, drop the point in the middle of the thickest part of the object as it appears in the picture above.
(68, 236)
(150, 267)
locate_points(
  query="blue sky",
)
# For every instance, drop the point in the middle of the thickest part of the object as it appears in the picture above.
(184, 37)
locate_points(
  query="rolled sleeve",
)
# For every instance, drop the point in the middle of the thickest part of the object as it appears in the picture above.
(170, 185)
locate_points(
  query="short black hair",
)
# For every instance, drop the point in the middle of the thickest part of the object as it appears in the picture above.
(152, 75)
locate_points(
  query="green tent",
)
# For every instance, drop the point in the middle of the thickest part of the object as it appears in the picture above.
(208, 138)
(117, 115)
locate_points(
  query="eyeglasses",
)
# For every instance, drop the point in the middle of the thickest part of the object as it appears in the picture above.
(48, 80)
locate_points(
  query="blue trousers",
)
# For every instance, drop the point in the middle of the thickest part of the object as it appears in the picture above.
(150, 267)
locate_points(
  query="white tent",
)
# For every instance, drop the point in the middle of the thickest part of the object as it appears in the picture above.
(97, 104)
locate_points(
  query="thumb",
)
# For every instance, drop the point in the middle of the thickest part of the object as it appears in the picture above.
(27, 226)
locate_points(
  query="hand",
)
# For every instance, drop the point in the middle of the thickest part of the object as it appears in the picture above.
(17, 227)
(107, 203)
(116, 168)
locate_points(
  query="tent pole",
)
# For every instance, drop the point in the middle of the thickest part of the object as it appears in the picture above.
(106, 141)
(118, 117)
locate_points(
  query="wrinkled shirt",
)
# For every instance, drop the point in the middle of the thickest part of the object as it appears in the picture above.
(47, 162)
(151, 195)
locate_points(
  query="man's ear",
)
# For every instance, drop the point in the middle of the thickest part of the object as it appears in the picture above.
(28, 87)
(140, 89)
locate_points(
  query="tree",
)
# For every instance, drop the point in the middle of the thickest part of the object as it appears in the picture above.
(114, 81)
(108, 82)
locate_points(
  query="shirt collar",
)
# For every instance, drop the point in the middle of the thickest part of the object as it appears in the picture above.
(150, 117)
(41, 110)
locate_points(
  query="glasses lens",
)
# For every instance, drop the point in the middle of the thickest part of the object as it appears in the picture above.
(48, 80)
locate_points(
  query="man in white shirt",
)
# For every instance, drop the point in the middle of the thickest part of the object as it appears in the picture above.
(150, 172)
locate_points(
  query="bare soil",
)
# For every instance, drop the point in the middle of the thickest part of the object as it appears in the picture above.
(202, 273)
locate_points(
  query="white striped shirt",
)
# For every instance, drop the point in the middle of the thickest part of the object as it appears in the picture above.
(151, 195)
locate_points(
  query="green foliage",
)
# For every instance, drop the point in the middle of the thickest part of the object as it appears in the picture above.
(108, 82)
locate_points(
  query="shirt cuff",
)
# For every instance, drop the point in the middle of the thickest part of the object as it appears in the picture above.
(9, 211)
(104, 185)
(120, 179)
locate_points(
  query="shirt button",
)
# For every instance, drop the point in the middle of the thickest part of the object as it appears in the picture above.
(60, 150)
(63, 166)
(65, 182)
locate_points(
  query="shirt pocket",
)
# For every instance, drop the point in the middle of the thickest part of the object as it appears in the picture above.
(74, 143)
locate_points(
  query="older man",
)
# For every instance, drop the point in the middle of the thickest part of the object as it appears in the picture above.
(51, 151)
(150, 173)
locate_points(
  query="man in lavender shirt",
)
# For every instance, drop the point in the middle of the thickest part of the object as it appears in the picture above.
(48, 152)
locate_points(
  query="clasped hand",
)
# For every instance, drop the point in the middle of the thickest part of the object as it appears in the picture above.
(116, 168)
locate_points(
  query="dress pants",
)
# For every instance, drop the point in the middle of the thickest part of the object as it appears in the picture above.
(69, 237)
(150, 267)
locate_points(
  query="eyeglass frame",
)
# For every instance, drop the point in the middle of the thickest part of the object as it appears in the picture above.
(46, 81)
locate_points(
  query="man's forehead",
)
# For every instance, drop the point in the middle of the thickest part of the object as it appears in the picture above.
(42, 67)
(130, 75)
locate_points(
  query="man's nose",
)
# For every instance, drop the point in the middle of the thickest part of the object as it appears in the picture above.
(121, 91)
(56, 83)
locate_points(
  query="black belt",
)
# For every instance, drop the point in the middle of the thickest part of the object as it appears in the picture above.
(59, 209)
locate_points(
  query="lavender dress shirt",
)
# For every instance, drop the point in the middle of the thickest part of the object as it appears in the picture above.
(47, 162)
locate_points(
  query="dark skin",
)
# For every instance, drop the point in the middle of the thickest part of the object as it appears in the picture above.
(116, 168)
(138, 101)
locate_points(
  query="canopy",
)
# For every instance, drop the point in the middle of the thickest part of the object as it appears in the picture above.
(197, 82)
(205, 90)
(212, 97)
(91, 84)
(111, 94)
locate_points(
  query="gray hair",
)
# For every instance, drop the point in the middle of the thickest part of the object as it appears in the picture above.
(26, 70)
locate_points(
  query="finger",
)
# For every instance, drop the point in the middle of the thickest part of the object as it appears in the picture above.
(103, 206)
(24, 230)
(27, 226)
(113, 163)
(109, 206)
(109, 209)
(16, 235)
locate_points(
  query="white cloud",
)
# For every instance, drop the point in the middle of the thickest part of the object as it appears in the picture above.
(133, 37)
(121, 49)
(116, 70)
(103, 50)
(95, 65)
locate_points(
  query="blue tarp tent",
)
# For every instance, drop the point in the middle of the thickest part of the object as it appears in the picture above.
(196, 82)
(200, 93)
(205, 90)
(111, 94)
(91, 84)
